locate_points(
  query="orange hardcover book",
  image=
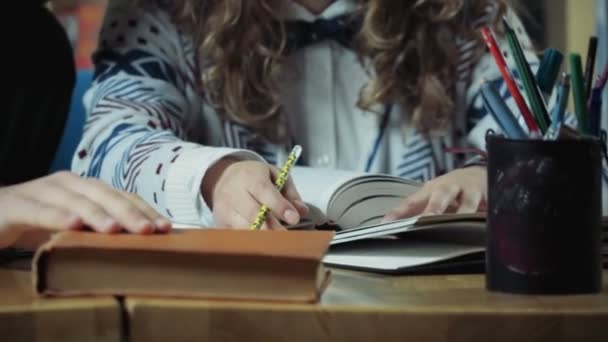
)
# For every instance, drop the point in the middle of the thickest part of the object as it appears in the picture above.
(213, 264)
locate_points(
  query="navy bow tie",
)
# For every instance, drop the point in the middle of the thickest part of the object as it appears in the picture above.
(301, 33)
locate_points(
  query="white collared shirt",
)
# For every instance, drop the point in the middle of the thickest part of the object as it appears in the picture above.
(320, 88)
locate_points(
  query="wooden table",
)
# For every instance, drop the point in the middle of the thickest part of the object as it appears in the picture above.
(25, 317)
(356, 307)
(362, 307)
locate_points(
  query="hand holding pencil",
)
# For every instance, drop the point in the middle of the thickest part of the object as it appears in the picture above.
(236, 190)
(279, 183)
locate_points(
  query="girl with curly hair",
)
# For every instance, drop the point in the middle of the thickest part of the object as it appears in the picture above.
(195, 100)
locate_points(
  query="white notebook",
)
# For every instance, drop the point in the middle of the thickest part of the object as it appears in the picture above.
(432, 243)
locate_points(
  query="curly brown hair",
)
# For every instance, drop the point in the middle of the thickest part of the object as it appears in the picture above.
(407, 45)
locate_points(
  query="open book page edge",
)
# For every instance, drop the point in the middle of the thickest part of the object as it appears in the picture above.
(410, 221)
(319, 187)
(410, 224)
(376, 230)
(316, 186)
(352, 205)
(185, 226)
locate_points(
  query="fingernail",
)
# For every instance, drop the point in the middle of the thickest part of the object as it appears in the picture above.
(162, 225)
(109, 226)
(291, 216)
(145, 226)
(74, 222)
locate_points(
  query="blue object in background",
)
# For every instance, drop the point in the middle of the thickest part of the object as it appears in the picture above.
(72, 131)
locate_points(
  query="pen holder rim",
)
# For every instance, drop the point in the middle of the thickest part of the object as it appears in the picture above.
(582, 139)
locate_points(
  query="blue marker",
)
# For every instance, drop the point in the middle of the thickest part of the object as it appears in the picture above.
(501, 113)
(548, 70)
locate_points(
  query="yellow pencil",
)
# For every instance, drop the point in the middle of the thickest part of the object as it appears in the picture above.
(279, 183)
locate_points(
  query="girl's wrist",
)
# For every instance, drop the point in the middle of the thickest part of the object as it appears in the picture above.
(212, 176)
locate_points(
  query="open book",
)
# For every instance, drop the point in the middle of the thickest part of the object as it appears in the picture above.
(354, 203)
(349, 199)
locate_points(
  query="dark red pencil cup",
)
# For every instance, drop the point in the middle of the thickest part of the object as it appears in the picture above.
(544, 216)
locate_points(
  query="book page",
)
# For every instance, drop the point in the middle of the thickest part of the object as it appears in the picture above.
(348, 198)
(367, 199)
(317, 186)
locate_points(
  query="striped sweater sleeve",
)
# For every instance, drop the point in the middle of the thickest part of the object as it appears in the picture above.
(142, 111)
